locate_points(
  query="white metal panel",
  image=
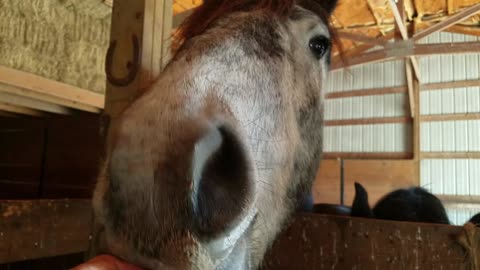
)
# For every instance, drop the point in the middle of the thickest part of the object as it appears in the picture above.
(450, 136)
(390, 105)
(375, 75)
(368, 138)
(449, 101)
(446, 68)
(459, 216)
(451, 176)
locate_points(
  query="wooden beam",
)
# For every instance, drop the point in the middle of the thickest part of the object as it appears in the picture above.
(367, 92)
(315, 241)
(399, 16)
(398, 19)
(4, 106)
(368, 121)
(449, 117)
(43, 228)
(167, 32)
(32, 103)
(44, 86)
(337, 60)
(361, 38)
(460, 16)
(450, 155)
(47, 98)
(448, 85)
(407, 48)
(411, 97)
(367, 155)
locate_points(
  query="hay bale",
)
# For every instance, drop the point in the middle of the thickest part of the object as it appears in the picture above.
(63, 40)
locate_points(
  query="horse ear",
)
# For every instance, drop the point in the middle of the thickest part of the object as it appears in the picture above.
(360, 207)
(328, 5)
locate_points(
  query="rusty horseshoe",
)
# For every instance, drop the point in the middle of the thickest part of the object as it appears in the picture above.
(132, 67)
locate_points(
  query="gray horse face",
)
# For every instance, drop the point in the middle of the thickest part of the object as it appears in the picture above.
(207, 165)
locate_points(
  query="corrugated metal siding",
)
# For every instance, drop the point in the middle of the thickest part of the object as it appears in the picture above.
(390, 105)
(384, 74)
(451, 176)
(448, 101)
(445, 68)
(450, 136)
(459, 216)
(367, 138)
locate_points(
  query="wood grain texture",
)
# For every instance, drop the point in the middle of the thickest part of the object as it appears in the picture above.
(43, 228)
(378, 177)
(338, 243)
(326, 188)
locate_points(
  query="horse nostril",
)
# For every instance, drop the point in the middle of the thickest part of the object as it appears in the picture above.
(222, 188)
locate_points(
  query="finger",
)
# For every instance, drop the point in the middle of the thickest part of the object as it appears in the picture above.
(105, 262)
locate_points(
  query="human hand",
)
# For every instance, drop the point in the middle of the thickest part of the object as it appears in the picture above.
(105, 262)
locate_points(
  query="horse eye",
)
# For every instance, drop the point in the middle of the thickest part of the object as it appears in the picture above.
(319, 45)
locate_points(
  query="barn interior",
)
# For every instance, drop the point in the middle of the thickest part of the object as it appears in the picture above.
(402, 108)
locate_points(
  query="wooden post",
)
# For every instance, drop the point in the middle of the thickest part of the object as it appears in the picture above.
(135, 58)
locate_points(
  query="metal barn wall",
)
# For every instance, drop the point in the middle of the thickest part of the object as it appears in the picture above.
(441, 176)
(451, 176)
(454, 177)
(374, 137)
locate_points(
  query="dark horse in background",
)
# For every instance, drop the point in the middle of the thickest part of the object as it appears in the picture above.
(207, 166)
(414, 204)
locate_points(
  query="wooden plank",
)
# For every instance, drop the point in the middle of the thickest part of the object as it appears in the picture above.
(167, 32)
(367, 92)
(332, 242)
(326, 188)
(41, 85)
(47, 98)
(22, 144)
(32, 103)
(449, 117)
(43, 228)
(406, 48)
(450, 155)
(411, 97)
(71, 169)
(460, 16)
(128, 19)
(379, 177)
(367, 155)
(367, 121)
(20, 110)
(449, 85)
(398, 19)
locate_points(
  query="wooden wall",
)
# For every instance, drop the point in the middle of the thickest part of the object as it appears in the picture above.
(50, 157)
(377, 176)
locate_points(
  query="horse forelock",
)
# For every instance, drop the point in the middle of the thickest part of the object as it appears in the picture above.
(211, 10)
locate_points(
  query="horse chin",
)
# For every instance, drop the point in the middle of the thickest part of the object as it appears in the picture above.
(230, 250)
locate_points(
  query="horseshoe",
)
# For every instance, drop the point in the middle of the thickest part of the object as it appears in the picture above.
(132, 67)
